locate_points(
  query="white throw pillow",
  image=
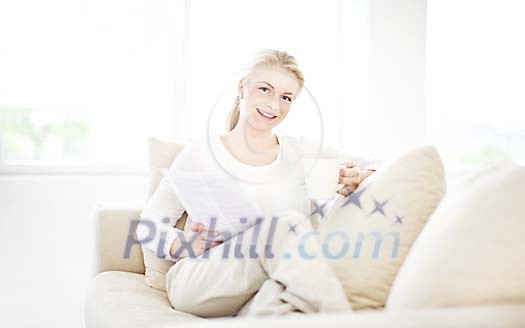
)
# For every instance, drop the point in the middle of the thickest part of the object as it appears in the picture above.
(161, 154)
(472, 250)
(394, 203)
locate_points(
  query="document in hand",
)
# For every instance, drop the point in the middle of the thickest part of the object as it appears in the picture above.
(215, 199)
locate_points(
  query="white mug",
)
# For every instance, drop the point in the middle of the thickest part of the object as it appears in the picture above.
(322, 177)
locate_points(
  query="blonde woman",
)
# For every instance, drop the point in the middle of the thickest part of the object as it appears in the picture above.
(273, 268)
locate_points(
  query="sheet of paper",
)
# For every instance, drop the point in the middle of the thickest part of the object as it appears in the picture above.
(206, 196)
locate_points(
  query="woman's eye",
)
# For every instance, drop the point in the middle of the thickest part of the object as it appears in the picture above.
(287, 99)
(264, 89)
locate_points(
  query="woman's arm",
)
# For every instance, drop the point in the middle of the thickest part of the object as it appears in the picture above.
(312, 149)
(354, 168)
(162, 211)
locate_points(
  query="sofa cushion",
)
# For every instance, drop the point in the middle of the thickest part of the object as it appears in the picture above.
(121, 299)
(479, 316)
(161, 153)
(471, 251)
(367, 235)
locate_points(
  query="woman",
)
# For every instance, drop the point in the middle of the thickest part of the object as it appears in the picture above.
(203, 281)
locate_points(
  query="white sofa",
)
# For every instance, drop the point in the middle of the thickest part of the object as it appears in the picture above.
(119, 297)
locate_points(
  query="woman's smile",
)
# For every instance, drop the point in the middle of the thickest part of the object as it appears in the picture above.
(266, 115)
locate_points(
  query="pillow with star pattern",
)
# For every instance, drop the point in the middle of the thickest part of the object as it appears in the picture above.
(367, 235)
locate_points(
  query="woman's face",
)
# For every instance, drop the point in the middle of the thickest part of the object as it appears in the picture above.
(266, 96)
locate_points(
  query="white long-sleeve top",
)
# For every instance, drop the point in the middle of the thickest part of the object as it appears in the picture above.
(275, 188)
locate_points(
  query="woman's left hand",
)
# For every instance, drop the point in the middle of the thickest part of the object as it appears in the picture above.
(351, 177)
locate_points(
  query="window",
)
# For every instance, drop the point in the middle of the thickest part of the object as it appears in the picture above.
(475, 80)
(86, 81)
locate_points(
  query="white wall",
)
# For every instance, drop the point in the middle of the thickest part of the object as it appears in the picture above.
(46, 241)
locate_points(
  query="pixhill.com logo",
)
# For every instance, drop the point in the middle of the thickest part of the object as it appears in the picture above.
(262, 244)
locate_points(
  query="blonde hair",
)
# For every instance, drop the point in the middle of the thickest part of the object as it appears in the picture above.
(266, 57)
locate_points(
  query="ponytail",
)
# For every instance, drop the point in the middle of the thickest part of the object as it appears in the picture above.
(233, 116)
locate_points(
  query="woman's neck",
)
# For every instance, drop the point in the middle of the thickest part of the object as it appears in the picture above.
(248, 138)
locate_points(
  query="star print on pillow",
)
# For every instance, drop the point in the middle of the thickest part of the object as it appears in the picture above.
(367, 235)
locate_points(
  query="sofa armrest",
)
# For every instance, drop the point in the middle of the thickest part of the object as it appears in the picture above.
(116, 248)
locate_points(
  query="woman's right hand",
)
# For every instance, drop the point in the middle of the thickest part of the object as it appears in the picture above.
(199, 245)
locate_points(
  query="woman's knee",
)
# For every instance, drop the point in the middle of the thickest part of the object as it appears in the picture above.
(180, 298)
(206, 308)
(188, 295)
(175, 288)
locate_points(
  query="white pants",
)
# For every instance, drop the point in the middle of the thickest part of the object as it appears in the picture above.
(218, 283)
